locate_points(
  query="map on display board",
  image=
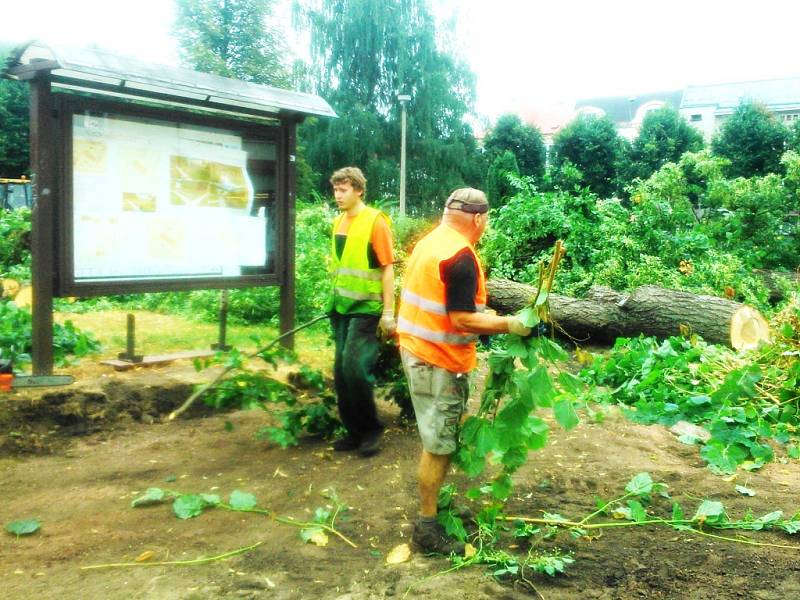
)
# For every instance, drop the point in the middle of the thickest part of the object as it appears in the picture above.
(153, 201)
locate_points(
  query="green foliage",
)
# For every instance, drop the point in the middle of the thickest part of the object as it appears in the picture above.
(499, 185)
(14, 99)
(298, 414)
(591, 144)
(365, 53)
(752, 139)
(744, 401)
(235, 38)
(16, 336)
(15, 252)
(188, 506)
(525, 142)
(664, 137)
(23, 527)
(686, 227)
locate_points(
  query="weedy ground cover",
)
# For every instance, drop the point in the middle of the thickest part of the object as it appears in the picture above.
(749, 402)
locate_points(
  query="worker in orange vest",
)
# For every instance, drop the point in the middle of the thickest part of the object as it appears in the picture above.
(361, 302)
(441, 315)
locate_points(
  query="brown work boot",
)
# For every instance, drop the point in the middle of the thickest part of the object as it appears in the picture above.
(431, 538)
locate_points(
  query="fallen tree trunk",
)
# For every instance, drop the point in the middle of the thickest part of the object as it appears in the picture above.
(772, 279)
(606, 314)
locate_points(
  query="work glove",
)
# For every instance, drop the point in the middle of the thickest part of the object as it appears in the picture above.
(387, 325)
(516, 327)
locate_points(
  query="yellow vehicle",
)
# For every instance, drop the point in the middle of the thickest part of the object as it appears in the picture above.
(15, 193)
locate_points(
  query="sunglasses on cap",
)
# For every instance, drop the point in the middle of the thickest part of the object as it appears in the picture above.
(455, 204)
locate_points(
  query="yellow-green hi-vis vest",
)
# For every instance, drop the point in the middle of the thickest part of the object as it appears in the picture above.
(356, 287)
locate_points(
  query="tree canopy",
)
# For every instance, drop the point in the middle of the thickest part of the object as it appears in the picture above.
(525, 142)
(752, 140)
(14, 100)
(663, 137)
(232, 38)
(591, 144)
(498, 186)
(363, 53)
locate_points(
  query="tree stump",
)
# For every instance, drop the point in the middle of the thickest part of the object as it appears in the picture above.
(606, 314)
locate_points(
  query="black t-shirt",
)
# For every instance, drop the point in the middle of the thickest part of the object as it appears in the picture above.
(460, 276)
(372, 256)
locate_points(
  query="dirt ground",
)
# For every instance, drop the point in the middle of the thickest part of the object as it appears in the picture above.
(81, 489)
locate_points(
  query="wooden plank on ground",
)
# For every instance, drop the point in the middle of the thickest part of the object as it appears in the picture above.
(156, 359)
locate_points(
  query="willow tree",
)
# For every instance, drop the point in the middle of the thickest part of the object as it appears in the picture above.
(363, 53)
(232, 38)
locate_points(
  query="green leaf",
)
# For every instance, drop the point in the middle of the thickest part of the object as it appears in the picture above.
(187, 506)
(541, 386)
(151, 496)
(517, 347)
(242, 500)
(571, 383)
(501, 486)
(529, 316)
(565, 414)
(770, 518)
(308, 534)
(638, 513)
(23, 527)
(211, 499)
(745, 491)
(541, 298)
(677, 512)
(710, 511)
(485, 438)
(514, 458)
(790, 527)
(453, 525)
(722, 457)
(641, 484)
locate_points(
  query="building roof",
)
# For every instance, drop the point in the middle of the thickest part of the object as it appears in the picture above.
(622, 109)
(102, 72)
(772, 92)
(548, 119)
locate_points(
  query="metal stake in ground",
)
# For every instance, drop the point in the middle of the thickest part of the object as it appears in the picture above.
(191, 400)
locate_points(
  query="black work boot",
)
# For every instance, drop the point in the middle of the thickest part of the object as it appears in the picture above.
(371, 443)
(346, 444)
(431, 538)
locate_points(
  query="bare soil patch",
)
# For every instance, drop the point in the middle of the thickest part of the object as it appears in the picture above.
(81, 490)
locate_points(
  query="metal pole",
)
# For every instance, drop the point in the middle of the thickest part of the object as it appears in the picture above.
(403, 100)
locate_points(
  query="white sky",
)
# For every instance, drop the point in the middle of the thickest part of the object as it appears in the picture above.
(525, 54)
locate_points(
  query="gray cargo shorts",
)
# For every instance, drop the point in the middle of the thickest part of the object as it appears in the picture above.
(439, 397)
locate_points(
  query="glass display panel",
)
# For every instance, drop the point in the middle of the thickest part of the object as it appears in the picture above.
(156, 200)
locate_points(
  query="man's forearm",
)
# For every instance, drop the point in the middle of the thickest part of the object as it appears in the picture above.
(478, 322)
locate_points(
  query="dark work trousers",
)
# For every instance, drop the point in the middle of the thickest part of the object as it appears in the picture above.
(357, 347)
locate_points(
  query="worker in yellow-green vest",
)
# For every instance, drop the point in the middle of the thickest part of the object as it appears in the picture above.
(362, 302)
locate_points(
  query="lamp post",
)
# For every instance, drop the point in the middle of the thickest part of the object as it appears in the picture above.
(403, 98)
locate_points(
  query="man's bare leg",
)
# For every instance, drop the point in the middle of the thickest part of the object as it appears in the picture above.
(431, 474)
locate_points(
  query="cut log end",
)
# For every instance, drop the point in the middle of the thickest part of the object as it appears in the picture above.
(748, 329)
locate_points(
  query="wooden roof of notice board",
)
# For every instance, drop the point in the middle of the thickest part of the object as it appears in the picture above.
(105, 73)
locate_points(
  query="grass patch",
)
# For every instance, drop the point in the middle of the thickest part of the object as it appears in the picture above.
(164, 333)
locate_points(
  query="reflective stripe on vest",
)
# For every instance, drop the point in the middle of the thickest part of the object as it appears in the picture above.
(424, 327)
(357, 289)
(435, 336)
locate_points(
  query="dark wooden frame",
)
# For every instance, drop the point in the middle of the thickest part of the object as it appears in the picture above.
(69, 105)
(51, 231)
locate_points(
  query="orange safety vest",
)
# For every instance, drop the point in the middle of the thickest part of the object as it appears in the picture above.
(423, 326)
